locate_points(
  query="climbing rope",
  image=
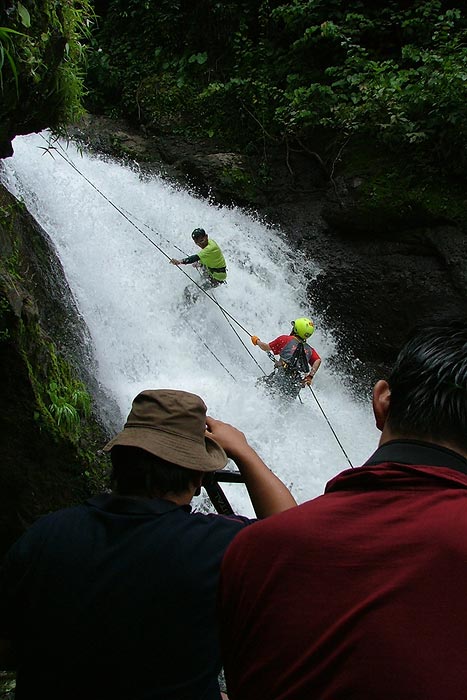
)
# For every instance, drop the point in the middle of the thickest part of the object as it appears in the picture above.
(332, 429)
(126, 215)
(208, 348)
(109, 201)
(158, 233)
(244, 345)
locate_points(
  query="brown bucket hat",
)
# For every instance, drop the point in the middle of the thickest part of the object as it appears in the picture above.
(171, 424)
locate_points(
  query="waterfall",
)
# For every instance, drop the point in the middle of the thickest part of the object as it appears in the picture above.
(145, 337)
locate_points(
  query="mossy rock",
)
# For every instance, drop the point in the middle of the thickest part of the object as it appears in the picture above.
(47, 462)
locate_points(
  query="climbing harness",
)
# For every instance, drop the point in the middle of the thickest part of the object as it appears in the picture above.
(217, 269)
(289, 369)
(293, 364)
(228, 316)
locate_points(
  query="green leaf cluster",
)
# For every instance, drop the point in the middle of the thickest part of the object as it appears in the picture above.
(69, 401)
(6, 51)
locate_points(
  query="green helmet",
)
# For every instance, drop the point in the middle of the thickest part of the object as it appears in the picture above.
(303, 327)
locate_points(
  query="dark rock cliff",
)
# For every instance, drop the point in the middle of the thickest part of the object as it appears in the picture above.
(46, 364)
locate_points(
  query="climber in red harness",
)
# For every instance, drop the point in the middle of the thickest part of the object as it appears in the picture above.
(298, 362)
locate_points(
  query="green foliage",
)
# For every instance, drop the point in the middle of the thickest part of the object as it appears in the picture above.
(4, 314)
(167, 101)
(7, 36)
(265, 71)
(7, 685)
(69, 401)
(62, 403)
(10, 268)
(60, 41)
(237, 179)
(12, 263)
(42, 55)
(6, 52)
(63, 409)
(407, 196)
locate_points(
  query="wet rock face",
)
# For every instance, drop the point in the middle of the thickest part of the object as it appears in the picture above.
(374, 288)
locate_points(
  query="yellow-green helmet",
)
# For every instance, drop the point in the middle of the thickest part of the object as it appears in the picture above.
(303, 327)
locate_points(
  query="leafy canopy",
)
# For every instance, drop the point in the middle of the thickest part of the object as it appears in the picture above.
(256, 71)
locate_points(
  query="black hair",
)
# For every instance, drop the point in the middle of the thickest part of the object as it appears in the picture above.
(428, 384)
(198, 233)
(136, 472)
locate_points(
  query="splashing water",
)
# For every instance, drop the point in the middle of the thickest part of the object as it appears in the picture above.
(144, 337)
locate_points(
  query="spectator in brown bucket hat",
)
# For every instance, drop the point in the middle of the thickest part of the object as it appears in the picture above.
(116, 598)
(171, 424)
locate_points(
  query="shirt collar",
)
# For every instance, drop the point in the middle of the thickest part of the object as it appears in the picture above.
(418, 452)
(130, 505)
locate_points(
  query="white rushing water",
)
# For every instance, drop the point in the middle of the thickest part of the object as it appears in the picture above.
(131, 299)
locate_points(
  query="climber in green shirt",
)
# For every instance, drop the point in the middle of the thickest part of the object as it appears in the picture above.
(210, 259)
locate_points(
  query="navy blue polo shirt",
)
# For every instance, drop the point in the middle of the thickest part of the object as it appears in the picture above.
(116, 598)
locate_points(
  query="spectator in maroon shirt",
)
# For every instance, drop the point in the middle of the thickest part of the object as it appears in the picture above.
(359, 594)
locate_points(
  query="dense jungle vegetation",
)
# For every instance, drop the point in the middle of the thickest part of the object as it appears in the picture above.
(253, 74)
(304, 74)
(42, 49)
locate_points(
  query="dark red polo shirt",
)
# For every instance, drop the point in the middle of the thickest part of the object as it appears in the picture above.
(359, 594)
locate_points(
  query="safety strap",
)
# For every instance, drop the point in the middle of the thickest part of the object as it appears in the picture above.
(217, 269)
(298, 362)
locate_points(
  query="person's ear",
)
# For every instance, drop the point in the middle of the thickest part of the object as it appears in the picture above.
(381, 402)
